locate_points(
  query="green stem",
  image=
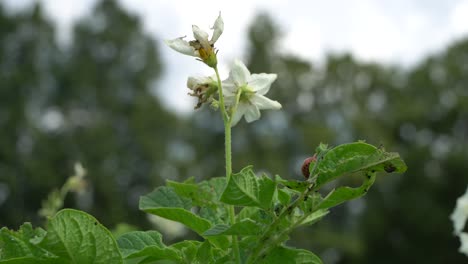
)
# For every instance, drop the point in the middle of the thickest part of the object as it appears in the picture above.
(271, 238)
(227, 146)
(221, 100)
(268, 239)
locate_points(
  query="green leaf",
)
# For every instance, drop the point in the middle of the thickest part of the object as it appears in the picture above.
(287, 255)
(205, 193)
(246, 189)
(204, 253)
(188, 248)
(343, 194)
(214, 215)
(284, 197)
(246, 227)
(146, 245)
(31, 260)
(77, 237)
(165, 202)
(211, 190)
(21, 244)
(314, 217)
(293, 185)
(256, 214)
(187, 189)
(353, 157)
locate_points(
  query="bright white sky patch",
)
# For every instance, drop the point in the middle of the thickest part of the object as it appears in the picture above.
(398, 32)
(459, 17)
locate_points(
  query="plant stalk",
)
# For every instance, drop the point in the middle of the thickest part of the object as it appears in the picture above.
(228, 156)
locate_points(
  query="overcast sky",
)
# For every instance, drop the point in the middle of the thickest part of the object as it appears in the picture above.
(397, 31)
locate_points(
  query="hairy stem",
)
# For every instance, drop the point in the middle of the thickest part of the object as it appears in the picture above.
(227, 145)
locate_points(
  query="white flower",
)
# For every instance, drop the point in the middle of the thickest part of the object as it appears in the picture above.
(464, 243)
(201, 47)
(459, 217)
(460, 214)
(251, 89)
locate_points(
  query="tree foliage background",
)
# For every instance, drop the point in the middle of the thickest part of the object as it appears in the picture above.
(93, 101)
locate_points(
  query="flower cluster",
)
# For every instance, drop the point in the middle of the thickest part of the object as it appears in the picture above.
(243, 93)
(459, 217)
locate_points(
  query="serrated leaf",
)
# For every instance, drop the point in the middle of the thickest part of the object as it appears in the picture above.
(287, 255)
(246, 189)
(77, 237)
(246, 227)
(353, 157)
(166, 203)
(146, 245)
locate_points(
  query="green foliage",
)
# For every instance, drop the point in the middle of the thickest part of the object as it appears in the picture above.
(165, 202)
(246, 189)
(146, 247)
(71, 237)
(258, 196)
(245, 227)
(76, 237)
(17, 246)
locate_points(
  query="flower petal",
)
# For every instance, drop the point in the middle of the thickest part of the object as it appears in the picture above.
(229, 94)
(463, 243)
(201, 36)
(460, 214)
(194, 82)
(181, 46)
(252, 113)
(263, 102)
(261, 82)
(218, 28)
(229, 85)
(239, 73)
(241, 108)
(229, 99)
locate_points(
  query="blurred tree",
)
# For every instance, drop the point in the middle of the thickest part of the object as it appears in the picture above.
(92, 102)
(114, 124)
(408, 221)
(421, 113)
(28, 54)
